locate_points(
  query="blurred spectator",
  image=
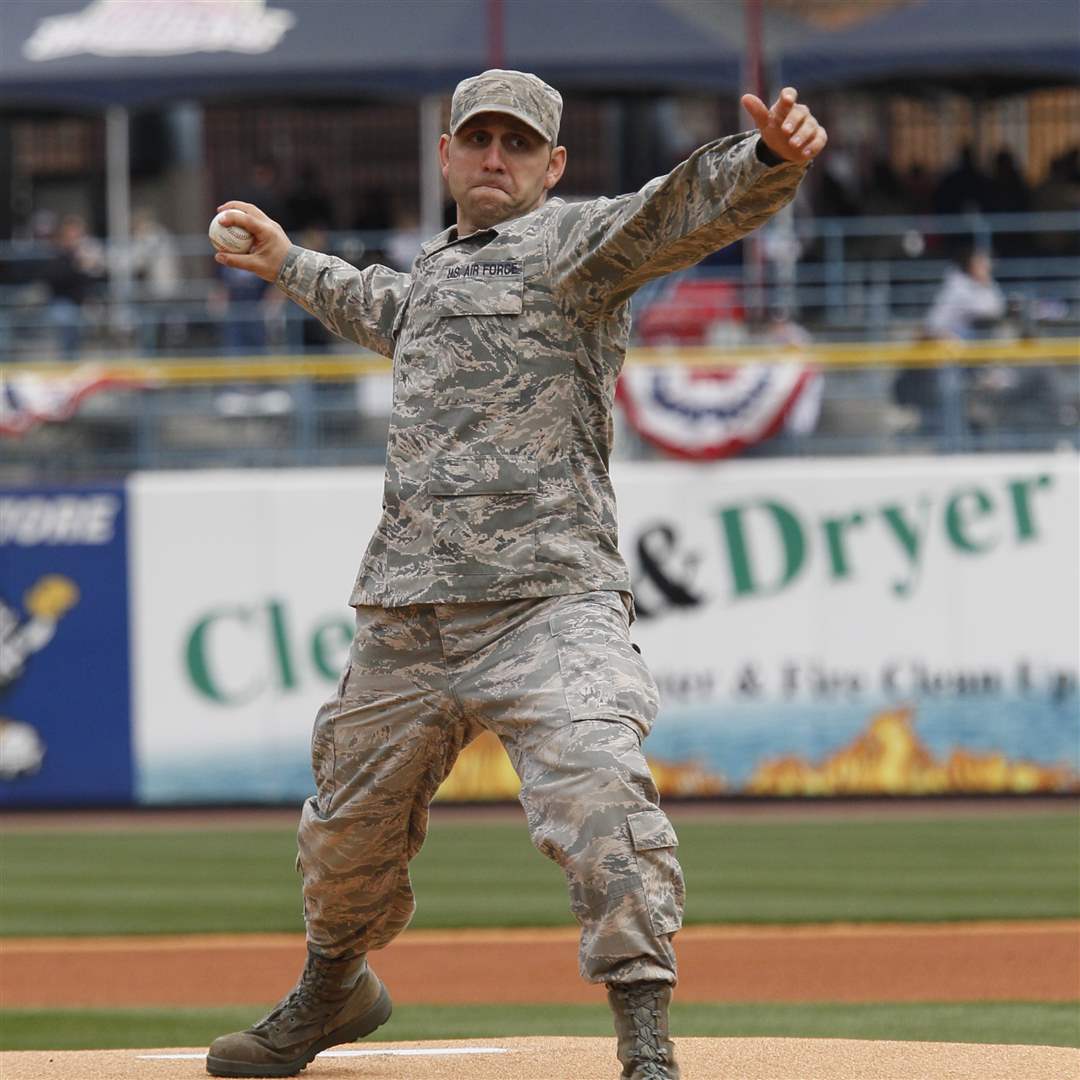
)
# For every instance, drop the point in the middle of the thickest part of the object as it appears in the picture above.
(1059, 192)
(155, 270)
(1007, 190)
(968, 299)
(308, 206)
(313, 336)
(403, 243)
(262, 189)
(918, 187)
(964, 188)
(72, 272)
(839, 197)
(884, 196)
(43, 226)
(30, 254)
(374, 212)
(238, 301)
(886, 193)
(1008, 193)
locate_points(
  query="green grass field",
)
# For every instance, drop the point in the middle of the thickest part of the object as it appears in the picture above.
(487, 874)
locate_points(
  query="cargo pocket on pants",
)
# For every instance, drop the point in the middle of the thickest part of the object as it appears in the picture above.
(654, 842)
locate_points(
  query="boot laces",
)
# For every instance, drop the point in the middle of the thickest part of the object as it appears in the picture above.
(306, 995)
(641, 1000)
(641, 1006)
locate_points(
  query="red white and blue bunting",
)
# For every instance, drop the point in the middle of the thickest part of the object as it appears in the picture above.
(702, 414)
(29, 398)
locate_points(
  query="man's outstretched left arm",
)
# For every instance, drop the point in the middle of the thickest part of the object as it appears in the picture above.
(609, 248)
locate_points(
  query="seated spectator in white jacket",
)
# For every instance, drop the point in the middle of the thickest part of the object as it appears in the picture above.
(969, 299)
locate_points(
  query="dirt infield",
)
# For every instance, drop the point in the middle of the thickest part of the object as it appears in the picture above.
(586, 1059)
(1014, 961)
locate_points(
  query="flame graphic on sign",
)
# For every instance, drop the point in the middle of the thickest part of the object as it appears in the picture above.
(888, 758)
(483, 772)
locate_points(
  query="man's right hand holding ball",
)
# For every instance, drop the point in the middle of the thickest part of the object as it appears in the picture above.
(270, 247)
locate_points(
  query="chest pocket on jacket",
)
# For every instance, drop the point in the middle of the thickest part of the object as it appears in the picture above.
(475, 335)
(483, 511)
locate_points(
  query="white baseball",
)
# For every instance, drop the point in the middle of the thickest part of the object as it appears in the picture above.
(230, 238)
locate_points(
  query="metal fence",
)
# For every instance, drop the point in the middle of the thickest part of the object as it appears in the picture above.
(204, 378)
(333, 410)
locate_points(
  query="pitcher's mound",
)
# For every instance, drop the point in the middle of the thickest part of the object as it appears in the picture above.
(589, 1059)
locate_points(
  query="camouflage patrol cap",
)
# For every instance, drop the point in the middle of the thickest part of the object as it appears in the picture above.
(516, 93)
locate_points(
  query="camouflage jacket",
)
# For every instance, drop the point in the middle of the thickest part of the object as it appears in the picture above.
(506, 346)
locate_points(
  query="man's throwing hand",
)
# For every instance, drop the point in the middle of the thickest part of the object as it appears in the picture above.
(270, 247)
(787, 129)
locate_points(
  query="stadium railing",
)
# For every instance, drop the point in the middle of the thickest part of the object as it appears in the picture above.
(860, 288)
(287, 410)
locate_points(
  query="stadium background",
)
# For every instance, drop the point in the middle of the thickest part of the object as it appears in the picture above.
(848, 592)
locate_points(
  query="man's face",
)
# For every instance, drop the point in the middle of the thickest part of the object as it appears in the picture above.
(498, 168)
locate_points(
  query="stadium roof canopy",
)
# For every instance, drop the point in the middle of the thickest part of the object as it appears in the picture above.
(982, 47)
(93, 53)
(137, 52)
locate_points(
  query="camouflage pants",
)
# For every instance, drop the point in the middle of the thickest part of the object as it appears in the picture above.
(558, 681)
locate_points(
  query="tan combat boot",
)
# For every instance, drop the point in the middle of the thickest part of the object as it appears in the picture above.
(335, 1001)
(641, 1026)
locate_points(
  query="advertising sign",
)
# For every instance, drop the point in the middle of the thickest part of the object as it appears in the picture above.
(241, 624)
(889, 626)
(65, 713)
(861, 627)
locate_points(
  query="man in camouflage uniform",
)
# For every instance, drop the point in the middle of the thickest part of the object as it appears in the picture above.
(492, 594)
